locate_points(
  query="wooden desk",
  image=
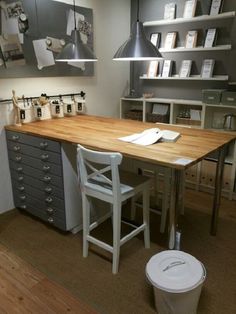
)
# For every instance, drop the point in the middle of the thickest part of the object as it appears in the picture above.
(102, 133)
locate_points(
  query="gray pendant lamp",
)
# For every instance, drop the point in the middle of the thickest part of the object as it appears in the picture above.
(76, 50)
(137, 47)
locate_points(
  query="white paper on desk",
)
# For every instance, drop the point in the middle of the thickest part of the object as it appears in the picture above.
(136, 136)
(44, 57)
(10, 26)
(148, 138)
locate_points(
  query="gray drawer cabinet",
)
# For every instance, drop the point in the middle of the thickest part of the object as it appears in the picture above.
(44, 179)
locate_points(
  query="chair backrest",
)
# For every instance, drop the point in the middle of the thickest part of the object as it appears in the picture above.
(98, 171)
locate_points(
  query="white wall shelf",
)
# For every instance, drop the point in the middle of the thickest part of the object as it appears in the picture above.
(201, 18)
(196, 49)
(190, 78)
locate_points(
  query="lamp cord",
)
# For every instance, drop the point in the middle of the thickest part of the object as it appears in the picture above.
(137, 10)
(74, 15)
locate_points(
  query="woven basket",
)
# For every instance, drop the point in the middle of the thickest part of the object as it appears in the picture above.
(153, 117)
(134, 114)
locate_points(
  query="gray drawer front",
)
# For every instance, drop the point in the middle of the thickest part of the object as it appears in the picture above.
(33, 207)
(39, 175)
(39, 142)
(26, 160)
(34, 152)
(30, 181)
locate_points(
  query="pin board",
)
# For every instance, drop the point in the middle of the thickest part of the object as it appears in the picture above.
(33, 32)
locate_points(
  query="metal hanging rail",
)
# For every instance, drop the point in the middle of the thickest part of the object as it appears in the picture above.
(82, 94)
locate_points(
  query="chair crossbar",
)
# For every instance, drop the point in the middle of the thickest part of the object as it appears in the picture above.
(98, 172)
(101, 244)
(132, 234)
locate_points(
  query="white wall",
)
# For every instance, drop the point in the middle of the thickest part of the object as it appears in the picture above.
(103, 90)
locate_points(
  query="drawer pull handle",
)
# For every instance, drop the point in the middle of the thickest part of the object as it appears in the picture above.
(15, 137)
(18, 158)
(49, 210)
(49, 200)
(50, 220)
(46, 168)
(23, 207)
(43, 145)
(46, 179)
(16, 148)
(23, 197)
(19, 169)
(48, 189)
(21, 188)
(44, 157)
(20, 179)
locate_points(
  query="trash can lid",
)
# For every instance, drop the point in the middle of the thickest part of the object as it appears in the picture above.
(175, 271)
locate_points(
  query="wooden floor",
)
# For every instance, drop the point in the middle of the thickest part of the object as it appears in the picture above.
(23, 289)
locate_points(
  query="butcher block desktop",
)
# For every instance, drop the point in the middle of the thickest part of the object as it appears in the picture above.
(102, 133)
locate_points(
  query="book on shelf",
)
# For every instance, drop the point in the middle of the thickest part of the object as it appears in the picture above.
(195, 114)
(169, 11)
(207, 68)
(152, 68)
(155, 39)
(216, 7)
(191, 39)
(185, 68)
(170, 40)
(167, 68)
(151, 136)
(190, 8)
(161, 109)
(210, 38)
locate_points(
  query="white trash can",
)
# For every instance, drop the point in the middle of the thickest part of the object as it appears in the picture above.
(177, 279)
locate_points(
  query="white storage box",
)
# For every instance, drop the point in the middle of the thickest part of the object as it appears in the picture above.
(177, 279)
(57, 109)
(69, 108)
(42, 112)
(27, 114)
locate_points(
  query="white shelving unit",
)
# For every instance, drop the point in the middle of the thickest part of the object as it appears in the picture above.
(189, 78)
(201, 18)
(196, 49)
(196, 175)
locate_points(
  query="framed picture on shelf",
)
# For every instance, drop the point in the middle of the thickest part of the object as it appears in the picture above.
(170, 11)
(152, 69)
(155, 39)
(207, 68)
(191, 39)
(216, 7)
(190, 8)
(167, 68)
(210, 38)
(185, 69)
(170, 40)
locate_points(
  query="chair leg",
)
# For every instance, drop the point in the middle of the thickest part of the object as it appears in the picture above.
(133, 208)
(116, 237)
(146, 214)
(86, 223)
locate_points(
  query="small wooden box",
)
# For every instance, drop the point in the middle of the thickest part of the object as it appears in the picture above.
(134, 114)
(154, 117)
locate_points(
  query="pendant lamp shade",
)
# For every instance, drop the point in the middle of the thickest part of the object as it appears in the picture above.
(137, 47)
(76, 50)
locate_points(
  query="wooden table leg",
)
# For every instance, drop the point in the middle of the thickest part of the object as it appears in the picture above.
(174, 233)
(218, 186)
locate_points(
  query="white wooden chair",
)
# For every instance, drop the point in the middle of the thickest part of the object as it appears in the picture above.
(100, 178)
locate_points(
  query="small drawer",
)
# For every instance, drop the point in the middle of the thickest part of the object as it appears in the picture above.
(46, 167)
(38, 142)
(228, 98)
(31, 151)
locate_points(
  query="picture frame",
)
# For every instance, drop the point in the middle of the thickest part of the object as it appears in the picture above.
(152, 68)
(210, 38)
(185, 69)
(155, 39)
(167, 68)
(189, 8)
(170, 40)
(170, 11)
(216, 7)
(207, 68)
(191, 39)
